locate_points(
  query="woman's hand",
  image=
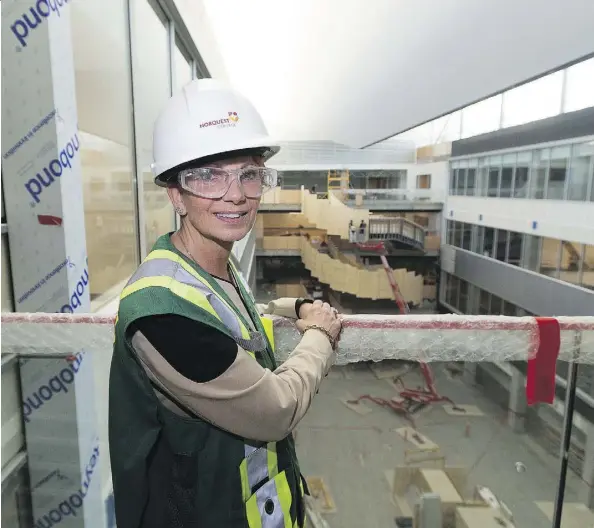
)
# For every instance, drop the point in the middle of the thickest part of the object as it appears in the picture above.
(320, 314)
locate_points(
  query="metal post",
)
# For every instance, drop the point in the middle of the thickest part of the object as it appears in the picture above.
(566, 433)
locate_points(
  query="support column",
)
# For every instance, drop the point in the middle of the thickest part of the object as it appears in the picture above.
(588, 468)
(42, 181)
(516, 414)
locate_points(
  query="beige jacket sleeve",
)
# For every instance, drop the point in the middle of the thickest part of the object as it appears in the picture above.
(247, 399)
(283, 307)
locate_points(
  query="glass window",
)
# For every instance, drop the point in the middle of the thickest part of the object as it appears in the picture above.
(461, 181)
(484, 302)
(521, 174)
(482, 117)
(480, 240)
(540, 168)
(182, 67)
(549, 256)
(570, 266)
(509, 309)
(489, 243)
(458, 234)
(579, 171)
(424, 181)
(534, 100)
(514, 250)
(502, 236)
(103, 95)
(557, 173)
(579, 88)
(453, 177)
(471, 177)
(152, 88)
(531, 252)
(450, 233)
(494, 171)
(496, 305)
(483, 178)
(463, 300)
(466, 235)
(507, 175)
(588, 267)
(454, 291)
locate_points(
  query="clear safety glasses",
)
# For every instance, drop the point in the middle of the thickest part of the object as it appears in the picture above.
(214, 182)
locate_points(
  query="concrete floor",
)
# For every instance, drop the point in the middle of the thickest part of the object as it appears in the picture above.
(352, 452)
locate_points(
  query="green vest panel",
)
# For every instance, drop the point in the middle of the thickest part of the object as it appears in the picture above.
(171, 470)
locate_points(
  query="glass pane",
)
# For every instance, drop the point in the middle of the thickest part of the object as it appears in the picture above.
(481, 117)
(521, 175)
(458, 234)
(483, 178)
(480, 240)
(466, 235)
(588, 268)
(538, 178)
(496, 305)
(450, 233)
(571, 262)
(488, 249)
(507, 174)
(579, 89)
(557, 173)
(579, 172)
(484, 302)
(549, 256)
(514, 251)
(152, 88)
(494, 171)
(502, 236)
(453, 174)
(509, 309)
(182, 69)
(461, 184)
(470, 181)
(531, 252)
(463, 300)
(534, 100)
(102, 66)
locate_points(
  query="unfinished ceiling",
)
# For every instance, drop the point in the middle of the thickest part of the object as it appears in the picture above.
(357, 71)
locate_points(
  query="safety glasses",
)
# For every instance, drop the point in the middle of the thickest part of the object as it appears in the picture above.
(214, 182)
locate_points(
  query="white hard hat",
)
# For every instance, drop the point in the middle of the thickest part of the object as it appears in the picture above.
(206, 118)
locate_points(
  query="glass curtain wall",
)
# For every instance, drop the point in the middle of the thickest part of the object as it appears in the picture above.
(152, 87)
(563, 172)
(122, 47)
(104, 103)
(561, 91)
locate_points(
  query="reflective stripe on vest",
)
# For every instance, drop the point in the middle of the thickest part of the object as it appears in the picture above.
(162, 271)
(270, 505)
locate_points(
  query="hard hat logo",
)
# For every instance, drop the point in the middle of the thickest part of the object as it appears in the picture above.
(222, 123)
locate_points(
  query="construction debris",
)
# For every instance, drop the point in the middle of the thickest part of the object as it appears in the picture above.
(320, 493)
(417, 439)
(463, 410)
(356, 405)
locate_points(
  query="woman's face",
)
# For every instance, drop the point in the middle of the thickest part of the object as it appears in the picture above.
(216, 219)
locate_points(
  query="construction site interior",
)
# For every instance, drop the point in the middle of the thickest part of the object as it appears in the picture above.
(473, 221)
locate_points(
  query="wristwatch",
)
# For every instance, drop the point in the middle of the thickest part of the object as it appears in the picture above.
(300, 302)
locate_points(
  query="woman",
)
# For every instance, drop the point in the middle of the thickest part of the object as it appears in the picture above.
(200, 415)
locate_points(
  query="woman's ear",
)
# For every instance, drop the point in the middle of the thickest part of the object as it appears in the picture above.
(175, 196)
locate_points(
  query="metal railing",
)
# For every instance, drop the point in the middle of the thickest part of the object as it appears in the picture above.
(397, 229)
(403, 195)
